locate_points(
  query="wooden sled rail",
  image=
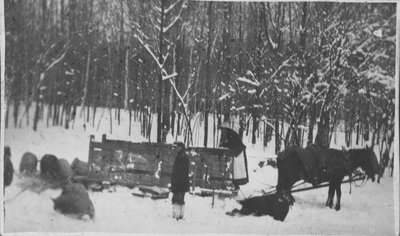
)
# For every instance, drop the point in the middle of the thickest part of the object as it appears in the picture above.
(312, 187)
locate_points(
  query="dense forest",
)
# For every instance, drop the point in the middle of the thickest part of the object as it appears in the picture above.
(311, 65)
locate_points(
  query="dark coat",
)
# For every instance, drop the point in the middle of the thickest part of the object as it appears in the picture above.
(74, 200)
(264, 205)
(230, 139)
(65, 170)
(8, 167)
(49, 166)
(180, 173)
(28, 163)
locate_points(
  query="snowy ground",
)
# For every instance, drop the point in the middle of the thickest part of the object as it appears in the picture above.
(368, 210)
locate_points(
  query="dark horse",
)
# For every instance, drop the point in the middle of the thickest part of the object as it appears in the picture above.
(316, 165)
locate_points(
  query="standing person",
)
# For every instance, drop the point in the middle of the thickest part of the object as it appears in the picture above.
(179, 182)
(8, 167)
(232, 140)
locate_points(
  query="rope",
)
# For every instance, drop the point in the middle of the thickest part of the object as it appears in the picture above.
(243, 194)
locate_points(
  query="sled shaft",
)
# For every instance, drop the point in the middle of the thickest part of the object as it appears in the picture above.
(323, 185)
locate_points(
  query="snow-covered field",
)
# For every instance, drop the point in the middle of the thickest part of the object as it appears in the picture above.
(368, 210)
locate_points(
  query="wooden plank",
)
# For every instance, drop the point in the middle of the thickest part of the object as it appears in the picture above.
(153, 189)
(160, 196)
(142, 195)
(132, 179)
(203, 192)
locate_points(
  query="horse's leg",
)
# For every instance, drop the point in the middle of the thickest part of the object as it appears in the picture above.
(331, 193)
(288, 192)
(338, 195)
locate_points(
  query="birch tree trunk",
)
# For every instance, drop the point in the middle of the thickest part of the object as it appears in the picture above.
(126, 97)
(208, 71)
(85, 89)
(160, 80)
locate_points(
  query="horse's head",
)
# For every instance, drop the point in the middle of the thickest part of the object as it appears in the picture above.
(370, 163)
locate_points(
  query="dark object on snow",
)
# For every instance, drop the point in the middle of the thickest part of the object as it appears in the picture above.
(8, 167)
(80, 167)
(261, 164)
(384, 162)
(270, 205)
(65, 171)
(49, 167)
(318, 164)
(28, 164)
(232, 140)
(270, 162)
(74, 200)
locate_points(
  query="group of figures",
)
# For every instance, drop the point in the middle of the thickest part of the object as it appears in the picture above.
(313, 164)
(74, 199)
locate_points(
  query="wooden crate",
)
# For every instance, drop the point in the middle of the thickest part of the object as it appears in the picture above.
(150, 164)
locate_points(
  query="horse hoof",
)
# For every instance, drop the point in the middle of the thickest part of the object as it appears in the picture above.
(337, 208)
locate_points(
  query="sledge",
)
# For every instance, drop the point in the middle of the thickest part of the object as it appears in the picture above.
(150, 164)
